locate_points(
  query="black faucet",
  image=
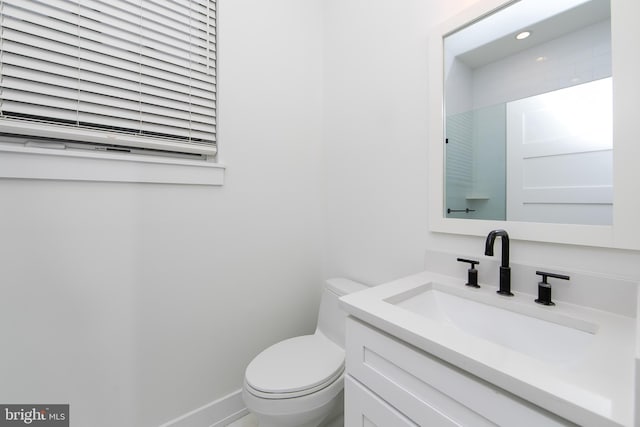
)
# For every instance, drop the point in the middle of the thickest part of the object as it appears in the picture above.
(505, 270)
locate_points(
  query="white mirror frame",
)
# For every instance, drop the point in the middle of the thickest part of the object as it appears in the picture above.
(624, 233)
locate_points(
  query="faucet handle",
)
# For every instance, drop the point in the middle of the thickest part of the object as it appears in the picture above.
(544, 287)
(472, 279)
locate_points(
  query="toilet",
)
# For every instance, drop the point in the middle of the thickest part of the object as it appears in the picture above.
(298, 382)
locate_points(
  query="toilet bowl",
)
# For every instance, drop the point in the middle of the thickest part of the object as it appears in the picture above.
(298, 382)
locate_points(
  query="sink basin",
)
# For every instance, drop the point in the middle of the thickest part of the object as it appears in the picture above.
(535, 331)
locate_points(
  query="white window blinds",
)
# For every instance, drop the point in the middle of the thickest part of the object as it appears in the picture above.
(134, 73)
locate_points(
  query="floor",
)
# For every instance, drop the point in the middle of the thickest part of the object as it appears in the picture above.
(246, 421)
(251, 421)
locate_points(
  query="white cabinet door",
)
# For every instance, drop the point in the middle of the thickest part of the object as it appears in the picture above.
(365, 409)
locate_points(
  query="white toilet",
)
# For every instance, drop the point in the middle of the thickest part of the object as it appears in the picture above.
(298, 382)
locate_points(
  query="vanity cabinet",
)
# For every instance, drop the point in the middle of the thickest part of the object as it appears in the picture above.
(390, 382)
(366, 409)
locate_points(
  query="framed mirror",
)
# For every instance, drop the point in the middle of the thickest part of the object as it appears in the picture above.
(531, 122)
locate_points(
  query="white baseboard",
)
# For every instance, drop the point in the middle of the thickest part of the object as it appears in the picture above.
(231, 418)
(218, 413)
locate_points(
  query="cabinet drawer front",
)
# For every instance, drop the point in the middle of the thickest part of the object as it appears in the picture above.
(365, 409)
(422, 386)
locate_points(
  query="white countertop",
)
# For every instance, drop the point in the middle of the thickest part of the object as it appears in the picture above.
(596, 389)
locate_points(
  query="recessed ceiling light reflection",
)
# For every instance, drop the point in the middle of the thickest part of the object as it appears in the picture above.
(523, 35)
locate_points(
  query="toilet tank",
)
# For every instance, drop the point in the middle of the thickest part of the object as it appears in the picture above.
(331, 318)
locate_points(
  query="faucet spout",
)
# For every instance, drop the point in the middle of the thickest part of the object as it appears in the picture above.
(505, 270)
(488, 246)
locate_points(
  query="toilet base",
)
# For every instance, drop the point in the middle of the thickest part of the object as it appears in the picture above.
(316, 418)
(324, 415)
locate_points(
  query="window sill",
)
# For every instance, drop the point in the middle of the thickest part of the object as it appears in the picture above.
(21, 162)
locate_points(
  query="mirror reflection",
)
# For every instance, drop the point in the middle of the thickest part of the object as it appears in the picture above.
(528, 107)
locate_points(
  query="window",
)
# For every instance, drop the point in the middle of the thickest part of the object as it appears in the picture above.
(109, 77)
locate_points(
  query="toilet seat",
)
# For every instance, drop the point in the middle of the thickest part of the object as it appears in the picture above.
(295, 367)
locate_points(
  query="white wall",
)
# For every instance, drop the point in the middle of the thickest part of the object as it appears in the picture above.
(376, 141)
(138, 303)
(376, 135)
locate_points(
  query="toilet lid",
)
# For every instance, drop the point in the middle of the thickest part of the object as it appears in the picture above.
(295, 365)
